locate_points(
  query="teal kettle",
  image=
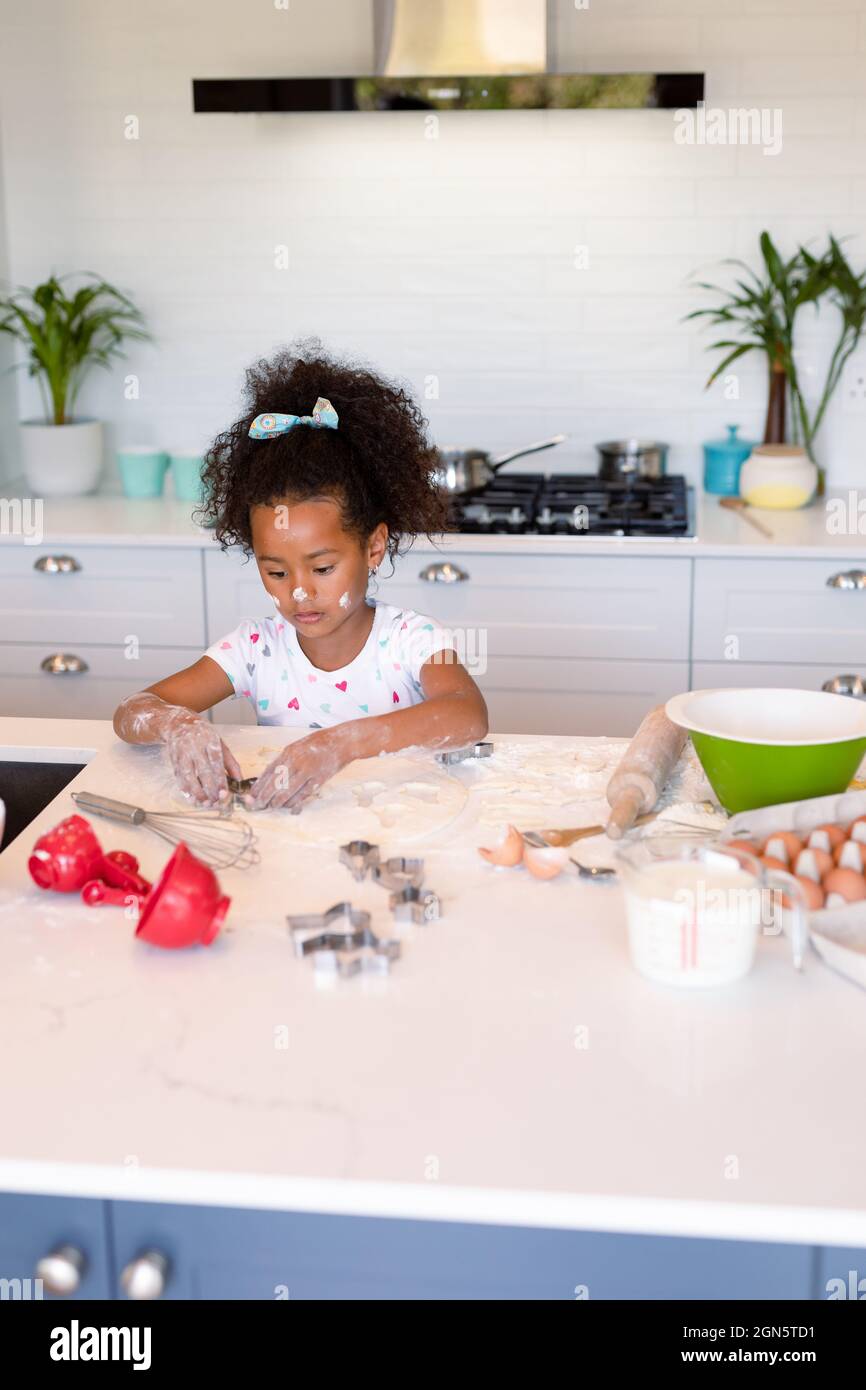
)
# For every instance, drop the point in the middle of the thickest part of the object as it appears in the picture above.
(723, 459)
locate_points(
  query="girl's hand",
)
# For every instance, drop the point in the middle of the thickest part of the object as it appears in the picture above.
(299, 770)
(199, 758)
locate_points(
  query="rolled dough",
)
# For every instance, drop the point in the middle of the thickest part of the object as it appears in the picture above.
(375, 799)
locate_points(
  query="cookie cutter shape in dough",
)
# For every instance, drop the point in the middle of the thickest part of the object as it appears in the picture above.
(398, 873)
(418, 905)
(359, 856)
(342, 942)
(462, 755)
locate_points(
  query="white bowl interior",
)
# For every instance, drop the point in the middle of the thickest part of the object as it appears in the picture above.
(771, 716)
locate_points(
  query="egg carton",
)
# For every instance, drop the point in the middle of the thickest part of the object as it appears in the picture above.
(838, 934)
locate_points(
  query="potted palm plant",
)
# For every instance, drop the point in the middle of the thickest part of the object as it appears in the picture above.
(64, 335)
(760, 314)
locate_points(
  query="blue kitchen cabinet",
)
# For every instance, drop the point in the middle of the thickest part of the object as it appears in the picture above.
(840, 1273)
(31, 1227)
(218, 1253)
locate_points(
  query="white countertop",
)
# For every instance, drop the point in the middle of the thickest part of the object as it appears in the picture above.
(154, 1075)
(116, 520)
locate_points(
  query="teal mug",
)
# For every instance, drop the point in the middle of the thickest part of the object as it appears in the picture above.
(142, 470)
(186, 468)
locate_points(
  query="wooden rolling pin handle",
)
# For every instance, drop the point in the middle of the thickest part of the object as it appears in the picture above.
(625, 812)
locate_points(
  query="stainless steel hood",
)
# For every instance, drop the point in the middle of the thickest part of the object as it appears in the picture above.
(452, 38)
(441, 55)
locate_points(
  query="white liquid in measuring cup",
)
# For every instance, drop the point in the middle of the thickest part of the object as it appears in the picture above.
(692, 925)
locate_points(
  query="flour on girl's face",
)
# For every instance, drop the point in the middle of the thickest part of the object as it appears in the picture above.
(344, 599)
(299, 595)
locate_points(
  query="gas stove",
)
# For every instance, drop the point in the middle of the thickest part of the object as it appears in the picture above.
(577, 504)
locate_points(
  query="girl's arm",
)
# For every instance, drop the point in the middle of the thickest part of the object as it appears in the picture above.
(143, 718)
(170, 712)
(452, 715)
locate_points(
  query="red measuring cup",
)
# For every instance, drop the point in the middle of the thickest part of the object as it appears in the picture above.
(185, 907)
(65, 858)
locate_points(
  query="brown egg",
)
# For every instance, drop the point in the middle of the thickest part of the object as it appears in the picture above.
(843, 886)
(813, 863)
(508, 852)
(857, 830)
(769, 862)
(750, 846)
(813, 891)
(826, 837)
(783, 845)
(851, 854)
(546, 862)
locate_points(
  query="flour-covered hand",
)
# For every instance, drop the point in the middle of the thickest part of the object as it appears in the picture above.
(298, 771)
(199, 758)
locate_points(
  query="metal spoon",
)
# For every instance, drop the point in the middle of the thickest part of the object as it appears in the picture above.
(586, 872)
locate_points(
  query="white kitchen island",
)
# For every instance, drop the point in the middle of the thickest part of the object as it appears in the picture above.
(513, 1112)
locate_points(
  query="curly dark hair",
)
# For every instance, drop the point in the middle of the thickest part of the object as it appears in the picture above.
(377, 464)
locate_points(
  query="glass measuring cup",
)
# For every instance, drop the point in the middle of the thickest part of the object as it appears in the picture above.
(695, 910)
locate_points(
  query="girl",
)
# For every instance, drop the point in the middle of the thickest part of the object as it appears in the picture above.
(326, 474)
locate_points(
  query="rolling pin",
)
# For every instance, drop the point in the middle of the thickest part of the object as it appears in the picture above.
(643, 771)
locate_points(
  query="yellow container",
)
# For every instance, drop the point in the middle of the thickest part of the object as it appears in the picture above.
(779, 476)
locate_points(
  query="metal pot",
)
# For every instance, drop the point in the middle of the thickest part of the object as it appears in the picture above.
(462, 471)
(623, 459)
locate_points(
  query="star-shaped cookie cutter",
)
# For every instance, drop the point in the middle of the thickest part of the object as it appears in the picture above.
(462, 755)
(342, 942)
(399, 873)
(415, 904)
(359, 856)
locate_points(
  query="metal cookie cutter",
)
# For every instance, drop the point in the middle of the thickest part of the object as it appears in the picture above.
(341, 941)
(399, 873)
(360, 857)
(462, 755)
(413, 904)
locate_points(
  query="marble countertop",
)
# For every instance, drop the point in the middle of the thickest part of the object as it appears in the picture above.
(513, 1068)
(834, 527)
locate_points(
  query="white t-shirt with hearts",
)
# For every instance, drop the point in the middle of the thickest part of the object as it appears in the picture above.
(264, 662)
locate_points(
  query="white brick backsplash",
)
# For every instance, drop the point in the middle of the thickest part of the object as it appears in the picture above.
(451, 258)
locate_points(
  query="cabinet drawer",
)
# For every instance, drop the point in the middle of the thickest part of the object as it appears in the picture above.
(779, 610)
(91, 694)
(525, 605)
(711, 675)
(226, 1254)
(555, 605)
(577, 697)
(234, 591)
(31, 1227)
(154, 594)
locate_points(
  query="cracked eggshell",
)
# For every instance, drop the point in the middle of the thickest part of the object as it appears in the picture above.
(508, 851)
(545, 863)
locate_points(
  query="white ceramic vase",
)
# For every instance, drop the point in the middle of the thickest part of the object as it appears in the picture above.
(61, 460)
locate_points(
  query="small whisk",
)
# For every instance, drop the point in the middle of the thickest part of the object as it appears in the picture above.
(218, 840)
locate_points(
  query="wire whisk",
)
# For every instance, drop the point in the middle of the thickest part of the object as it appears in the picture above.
(217, 840)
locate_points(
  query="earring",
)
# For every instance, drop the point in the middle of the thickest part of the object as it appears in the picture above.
(372, 582)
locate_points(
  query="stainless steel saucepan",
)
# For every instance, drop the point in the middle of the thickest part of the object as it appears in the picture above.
(462, 471)
(623, 459)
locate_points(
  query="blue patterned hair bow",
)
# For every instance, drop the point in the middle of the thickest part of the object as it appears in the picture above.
(324, 417)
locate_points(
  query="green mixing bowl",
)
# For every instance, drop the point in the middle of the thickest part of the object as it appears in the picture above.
(762, 747)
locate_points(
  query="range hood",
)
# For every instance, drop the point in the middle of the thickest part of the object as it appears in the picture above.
(452, 55)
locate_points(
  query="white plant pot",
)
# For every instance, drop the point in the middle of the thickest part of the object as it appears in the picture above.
(61, 460)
